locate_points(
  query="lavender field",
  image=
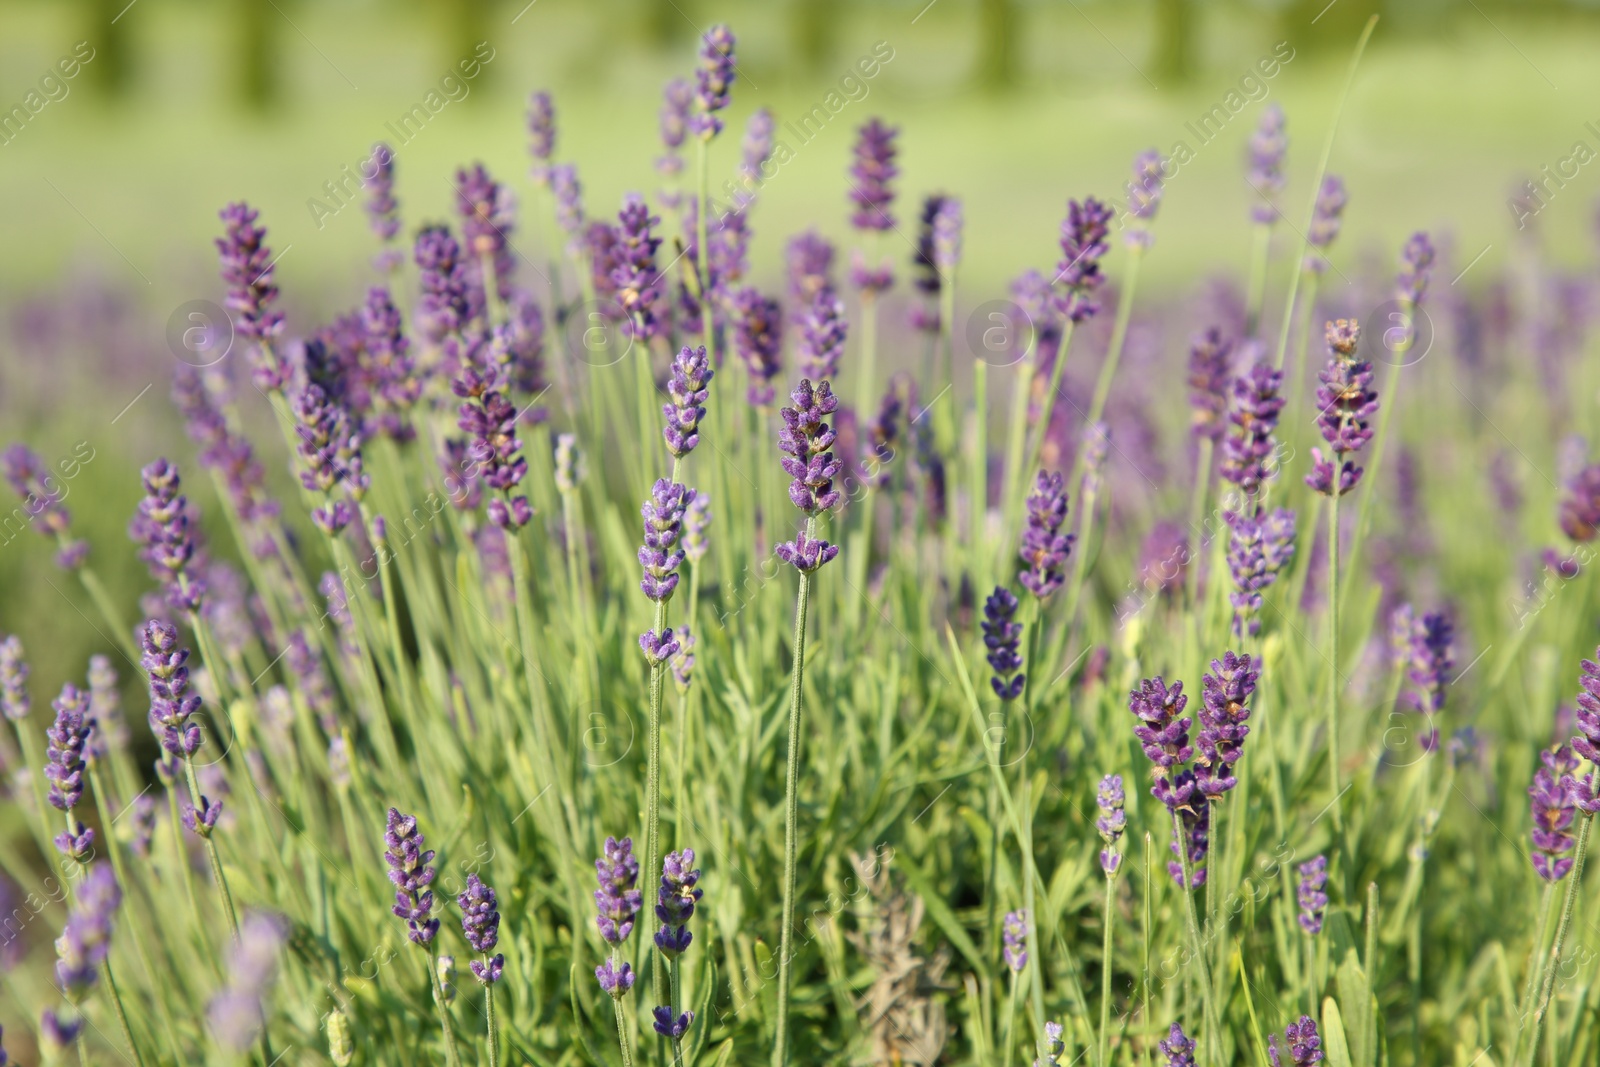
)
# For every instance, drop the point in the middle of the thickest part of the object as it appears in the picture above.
(717, 583)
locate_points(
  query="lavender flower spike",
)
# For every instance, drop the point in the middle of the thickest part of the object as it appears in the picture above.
(870, 176)
(1305, 1044)
(1224, 712)
(541, 135)
(1326, 218)
(1268, 145)
(637, 281)
(675, 901)
(757, 338)
(823, 327)
(691, 373)
(1054, 1047)
(616, 902)
(614, 980)
(85, 943)
(32, 480)
(1253, 413)
(1345, 403)
(495, 450)
(696, 521)
(382, 208)
(1045, 548)
(14, 680)
(947, 223)
(806, 442)
(411, 873)
(1258, 550)
(1177, 1048)
(480, 924)
(713, 79)
(1208, 383)
(237, 1014)
(1554, 809)
(1163, 731)
(1585, 744)
(1144, 197)
(162, 529)
(64, 768)
(1113, 820)
(1313, 901)
(1083, 245)
(660, 555)
(1002, 636)
(1014, 936)
(171, 703)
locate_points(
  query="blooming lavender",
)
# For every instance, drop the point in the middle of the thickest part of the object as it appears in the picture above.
(696, 521)
(1552, 804)
(487, 211)
(617, 903)
(541, 135)
(713, 79)
(65, 768)
(1416, 266)
(660, 555)
(1053, 1046)
(13, 679)
(85, 943)
(225, 451)
(757, 146)
(1177, 1048)
(822, 336)
(675, 901)
(388, 363)
(635, 277)
(1196, 823)
(806, 442)
(330, 456)
(947, 225)
(1253, 413)
(495, 450)
(1209, 353)
(1326, 218)
(567, 192)
(382, 208)
(41, 494)
(1432, 661)
(167, 545)
(1268, 145)
(480, 924)
(1113, 820)
(683, 661)
(247, 265)
(1305, 1045)
(1345, 403)
(1144, 196)
(757, 339)
(677, 97)
(411, 873)
(105, 702)
(691, 374)
(171, 704)
(872, 171)
(877, 448)
(1002, 636)
(1313, 901)
(1163, 731)
(1083, 245)
(808, 258)
(1014, 938)
(1579, 512)
(446, 303)
(1224, 712)
(1045, 548)
(1259, 548)
(925, 268)
(237, 1014)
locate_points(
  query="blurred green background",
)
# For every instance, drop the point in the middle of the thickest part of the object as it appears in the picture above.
(109, 194)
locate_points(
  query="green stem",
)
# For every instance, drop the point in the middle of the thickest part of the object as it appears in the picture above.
(1030, 876)
(1333, 656)
(980, 459)
(652, 802)
(1119, 337)
(1011, 1020)
(211, 849)
(451, 1052)
(122, 1016)
(1548, 983)
(108, 609)
(1046, 412)
(494, 1034)
(1105, 972)
(791, 818)
(1535, 966)
(1197, 944)
(1147, 927)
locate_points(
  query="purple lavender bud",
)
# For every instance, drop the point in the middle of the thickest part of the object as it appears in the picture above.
(871, 172)
(1209, 354)
(1177, 1048)
(1313, 901)
(696, 521)
(1553, 804)
(105, 702)
(381, 204)
(1432, 661)
(924, 267)
(806, 442)
(636, 280)
(683, 661)
(568, 194)
(1253, 412)
(617, 902)
(1014, 936)
(201, 820)
(57, 1034)
(1197, 839)
(1305, 1046)
(675, 901)
(541, 134)
(1326, 218)
(713, 79)
(614, 980)
(877, 450)
(691, 373)
(85, 943)
(237, 1014)
(757, 338)
(1083, 244)
(1416, 265)
(822, 336)
(1259, 548)
(1144, 192)
(480, 924)
(1054, 1046)
(311, 679)
(161, 527)
(64, 755)
(1096, 446)
(446, 302)
(388, 364)
(171, 703)
(1045, 548)
(1580, 506)
(757, 145)
(659, 648)
(1163, 731)
(1268, 145)
(669, 1026)
(1113, 820)
(947, 223)
(660, 555)
(676, 100)
(809, 258)
(411, 874)
(32, 480)
(14, 680)
(1224, 711)
(229, 454)
(487, 211)
(806, 554)
(330, 456)
(1002, 636)
(247, 272)
(870, 280)
(516, 346)
(1586, 743)
(1346, 402)
(490, 419)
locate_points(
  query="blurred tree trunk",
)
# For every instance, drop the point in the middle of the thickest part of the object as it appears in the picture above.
(113, 65)
(997, 43)
(812, 24)
(1175, 32)
(256, 39)
(466, 26)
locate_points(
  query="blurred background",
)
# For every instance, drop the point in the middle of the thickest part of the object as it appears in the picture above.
(111, 179)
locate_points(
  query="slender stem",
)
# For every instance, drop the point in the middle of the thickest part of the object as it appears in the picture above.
(1333, 656)
(1119, 337)
(1548, 983)
(622, 1034)
(1196, 942)
(652, 803)
(1030, 876)
(444, 1012)
(980, 456)
(1105, 972)
(1011, 1019)
(791, 818)
(108, 609)
(1146, 928)
(494, 1033)
(1047, 411)
(1012, 475)
(211, 848)
(122, 1016)
(1535, 964)
(676, 1006)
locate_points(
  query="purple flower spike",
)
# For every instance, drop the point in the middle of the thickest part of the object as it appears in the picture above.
(171, 703)
(635, 277)
(237, 1014)
(1177, 1048)
(541, 134)
(491, 419)
(1045, 548)
(691, 373)
(756, 146)
(1083, 245)
(201, 820)
(1416, 265)
(330, 456)
(1554, 808)
(660, 555)
(64, 754)
(1253, 413)
(389, 364)
(1224, 712)
(167, 545)
(14, 680)
(1305, 1045)
(615, 981)
(480, 924)
(616, 902)
(823, 327)
(683, 660)
(247, 272)
(1259, 549)
(675, 901)
(806, 442)
(383, 209)
(947, 224)
(1313, 901)
(85, 943)
(713, 79)
(57, 1034)
(41, 493)
(696, 521)
(1326, 218)
(1433, 660)
(871, 173)
(1054, 1046)
(1268, 145)
(488, 217)
(447, 301)
(1014, 937)
(659, 648)
(1144, 196)
(1346, 402)
(1209, 353)
(806, 554)
(1113, 820)
(809, 258)
(757, 338)
(1586, 743)
(411, 874)
(1002, 636)
(1197, 839)
(877, 447)
(668, 1026)
(568, 194)
(676, 99)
